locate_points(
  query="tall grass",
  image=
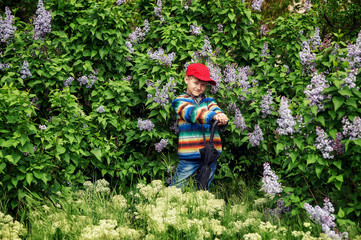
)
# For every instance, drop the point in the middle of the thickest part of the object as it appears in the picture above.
(153, 211)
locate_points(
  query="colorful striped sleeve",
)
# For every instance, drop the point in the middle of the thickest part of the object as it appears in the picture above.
(187, 111)
(213, 106)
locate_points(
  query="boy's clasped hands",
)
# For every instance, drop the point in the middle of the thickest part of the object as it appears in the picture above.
(221, 118)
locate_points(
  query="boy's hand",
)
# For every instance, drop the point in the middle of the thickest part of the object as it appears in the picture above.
(221, 118)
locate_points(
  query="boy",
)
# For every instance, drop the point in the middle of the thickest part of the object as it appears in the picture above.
(194, 109)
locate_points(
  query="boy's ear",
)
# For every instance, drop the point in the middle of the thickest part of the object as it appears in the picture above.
(186, 79)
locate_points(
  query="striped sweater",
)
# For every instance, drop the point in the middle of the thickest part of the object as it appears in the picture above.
(191, 116)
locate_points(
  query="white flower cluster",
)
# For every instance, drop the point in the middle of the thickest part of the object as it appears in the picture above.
(100, 186)
(10, 229)
(270, 184)
(107, 229)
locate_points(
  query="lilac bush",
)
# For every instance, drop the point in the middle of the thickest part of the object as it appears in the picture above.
(68, 81)
(316, 39)
(256, 136)
(101, 109)
(286, 122)
(158, 10)
(270, 184)
(161, 145)
(7, 29)
(163, 95)
(354, 53)
(120, 2)
(42, 22)
(25, 72)
(307, 58)
(145, 125)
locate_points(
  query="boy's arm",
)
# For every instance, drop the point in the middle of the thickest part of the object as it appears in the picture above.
(192, 114)
(220, 116)
(213, 106)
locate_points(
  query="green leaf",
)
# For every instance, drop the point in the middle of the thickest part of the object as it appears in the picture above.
(337, 102)
(231, 16)
(338, 164)
(319, 171)
(97, 153)
(340, 213)
(29, 178)
(279, 147)
(321, 119)
(2, 166)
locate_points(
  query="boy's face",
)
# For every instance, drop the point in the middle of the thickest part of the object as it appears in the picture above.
(195, 86)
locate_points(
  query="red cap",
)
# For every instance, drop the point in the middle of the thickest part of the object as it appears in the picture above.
(201, 72)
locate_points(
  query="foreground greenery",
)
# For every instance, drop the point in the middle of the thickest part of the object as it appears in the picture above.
(153, 211)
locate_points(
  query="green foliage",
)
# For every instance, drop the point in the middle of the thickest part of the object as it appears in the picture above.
(90, 40)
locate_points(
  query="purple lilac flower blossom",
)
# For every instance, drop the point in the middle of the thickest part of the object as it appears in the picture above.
(195, 30)
(139, 33)
(145, 125)
(256, 136)
(158, 10)
(42, 127)
(316, 39)
(266, 108)
(161, 145)
(264, 31)
(7, 29)
(325, 218)
(129, 46)
(42, 22)
(207, 49)
(83, 80)
(174, 127)
(25, 72)
(236, 77)
(162, 95)
(270, 184)
(265, 51)
(354, 53)
(100, 109)
(306, 56)
(161, 58)
(323, 143)
(120, 2)
(308, 5)
(352, 130)
(350, 80)
(315, 89)
(68, 82)
(220, 28)
(4, 66)
(256, 4)
(286, 122)
(239, 120)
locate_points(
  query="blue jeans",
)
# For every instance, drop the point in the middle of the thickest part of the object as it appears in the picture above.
(187, 168)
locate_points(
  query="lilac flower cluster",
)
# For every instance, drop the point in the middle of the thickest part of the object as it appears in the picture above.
(4, 66)
(216, 74)
(7, 29)
(220, 28)
(350, 80)
(161, 58)
(237, 77)
(145, 125)
(306, 56)
(316, 39)
(256, 4)
(338, 147)
(270, 184)
(239, 120)
(256, 136)
(354, 53)
(162, 95)
(161, 145)
(266, 108)
(120, 2)
(195, 30)
(325, 218)
(68, 81)
(129, 46)
(207, 49)
(286, 122)
(42, 127)
(128, 78)
(323, 143)
(84, 80)
(265, 51)
(264, 31)
(139, 33)
(174, 127)
(308, 5)
(158, 10)
(42, 22)
(351, 130)
(100, 109)
(315, 89)
(24, 71)
(287, 68)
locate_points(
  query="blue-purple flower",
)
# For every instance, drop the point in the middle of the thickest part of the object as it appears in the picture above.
(162, 96)
(256, 136)
(286, 122)
(352, 130)
(158, 10)
(120, 2)
(101, 109)
(7, 29)
(315, 89)
(25, 72)
(239, 120)
(42, 22)
(307, 58)
(195, 30)
(266, 108)
(145, 125)
(323, 143)
(161, 145)
(68, 81)
(256, 4)
(270, 184)
(161, 57)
